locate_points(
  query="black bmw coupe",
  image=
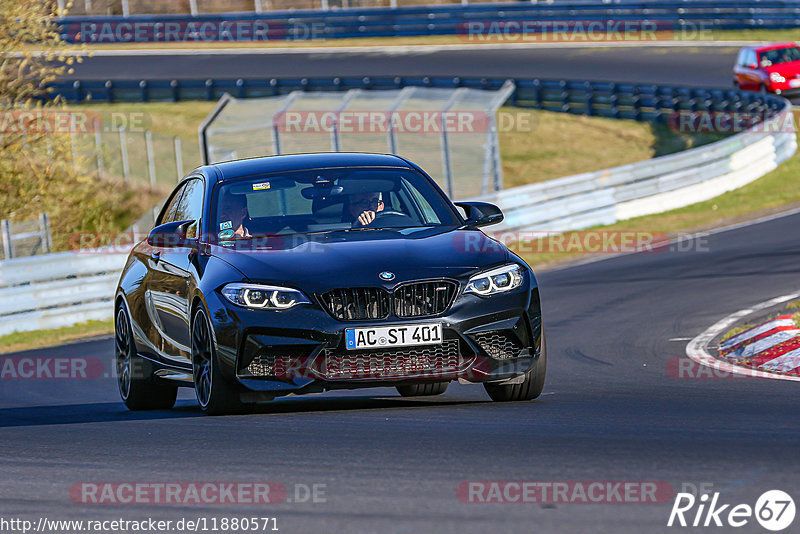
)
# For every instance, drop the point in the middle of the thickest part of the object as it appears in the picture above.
(304, 273)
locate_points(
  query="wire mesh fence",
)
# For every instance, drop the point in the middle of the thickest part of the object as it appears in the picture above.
(451, 133)
(135, 157)
(25, 238)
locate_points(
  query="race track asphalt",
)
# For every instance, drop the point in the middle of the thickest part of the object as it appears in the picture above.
(610, 411)
(691, 66)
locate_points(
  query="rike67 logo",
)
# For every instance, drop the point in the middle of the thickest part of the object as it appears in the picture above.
(774, 510)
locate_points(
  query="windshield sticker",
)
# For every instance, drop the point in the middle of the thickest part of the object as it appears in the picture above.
(259, 187)
(227, 243)
(226, 234)
(225, 225)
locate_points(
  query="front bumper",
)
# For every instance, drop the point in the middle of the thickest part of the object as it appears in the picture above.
(302, 350)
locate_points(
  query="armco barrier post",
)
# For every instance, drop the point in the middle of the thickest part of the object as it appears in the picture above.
(8, 245)
(98, 148)
(44, 229)
(151, 161)
(176, 143)
(123, 150)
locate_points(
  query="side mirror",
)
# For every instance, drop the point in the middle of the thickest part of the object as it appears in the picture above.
(481, 213)
(171, 234)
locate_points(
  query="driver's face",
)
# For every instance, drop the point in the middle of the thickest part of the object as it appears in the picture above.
(233, 210)
(364, 202)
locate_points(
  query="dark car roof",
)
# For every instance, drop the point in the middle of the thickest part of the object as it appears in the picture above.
(298, 162)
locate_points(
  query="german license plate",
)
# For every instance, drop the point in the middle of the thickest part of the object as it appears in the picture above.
(393, 336)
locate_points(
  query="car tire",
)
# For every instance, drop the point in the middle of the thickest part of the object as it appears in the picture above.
(529, 389)
(137, 386)
(214, 395)
(423, 390)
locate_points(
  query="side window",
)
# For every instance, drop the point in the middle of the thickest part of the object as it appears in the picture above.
(752, 59)
(427, 211)
(190, 206)
(742, 59)
(168, 215)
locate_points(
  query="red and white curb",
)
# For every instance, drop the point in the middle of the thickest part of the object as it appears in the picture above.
(765, 351)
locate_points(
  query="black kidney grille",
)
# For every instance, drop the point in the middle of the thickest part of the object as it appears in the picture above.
(423, 298)
(419, 299)
(358, 303)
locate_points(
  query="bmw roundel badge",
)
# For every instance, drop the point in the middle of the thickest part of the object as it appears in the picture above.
(386, 275)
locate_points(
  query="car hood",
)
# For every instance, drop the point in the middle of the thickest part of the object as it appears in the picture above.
(339, 259)
(790, 69)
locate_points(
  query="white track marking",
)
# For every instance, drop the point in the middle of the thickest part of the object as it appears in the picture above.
(697, 347)
(753, 332)
(787, 362)
(762, 344)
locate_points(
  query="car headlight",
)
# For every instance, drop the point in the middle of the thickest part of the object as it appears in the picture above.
(777, 78)
(263, 296)
(498, 280)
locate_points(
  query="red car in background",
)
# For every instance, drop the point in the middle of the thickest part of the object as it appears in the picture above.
(771, 68)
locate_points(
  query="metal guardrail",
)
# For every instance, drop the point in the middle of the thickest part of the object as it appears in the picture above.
(647, 187)
(675, 15)
(56, 290)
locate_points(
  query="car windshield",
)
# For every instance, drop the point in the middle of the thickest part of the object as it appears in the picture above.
(326, 200)
(779, 55)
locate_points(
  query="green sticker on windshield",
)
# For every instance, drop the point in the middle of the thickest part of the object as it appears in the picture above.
(226, 234)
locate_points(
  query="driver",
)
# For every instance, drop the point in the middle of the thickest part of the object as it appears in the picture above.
(363, 207)
(232, 214)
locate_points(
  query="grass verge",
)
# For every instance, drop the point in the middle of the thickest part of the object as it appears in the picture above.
(540, 150)
(19, 341)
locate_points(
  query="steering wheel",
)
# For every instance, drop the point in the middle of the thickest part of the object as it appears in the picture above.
(394, 218)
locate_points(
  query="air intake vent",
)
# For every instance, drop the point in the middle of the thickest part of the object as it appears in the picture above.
(499, 344)
(439, 361)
